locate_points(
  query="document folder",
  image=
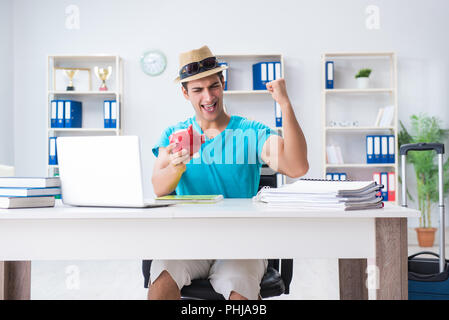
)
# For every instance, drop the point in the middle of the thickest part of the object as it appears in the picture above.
(73, 114)
(52, 152)
(329, 74)
(107, 113)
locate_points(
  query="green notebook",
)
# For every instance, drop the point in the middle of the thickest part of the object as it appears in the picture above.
(207, 198)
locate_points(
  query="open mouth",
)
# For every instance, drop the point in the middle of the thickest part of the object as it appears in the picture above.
(209, 107)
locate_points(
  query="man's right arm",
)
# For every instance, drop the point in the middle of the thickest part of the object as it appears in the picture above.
(168, 169)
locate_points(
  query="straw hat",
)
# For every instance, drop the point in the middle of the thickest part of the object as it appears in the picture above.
(196, 56)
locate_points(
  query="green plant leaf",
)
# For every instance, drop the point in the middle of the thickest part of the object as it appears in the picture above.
(425, 129)
(363, 73)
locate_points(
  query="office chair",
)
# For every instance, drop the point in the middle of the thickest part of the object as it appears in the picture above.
(274, 283)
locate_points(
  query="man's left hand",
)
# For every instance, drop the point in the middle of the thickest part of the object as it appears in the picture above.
(278, 91)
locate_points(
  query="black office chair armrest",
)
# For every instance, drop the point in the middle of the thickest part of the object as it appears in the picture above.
(146, 266)
(287, 273)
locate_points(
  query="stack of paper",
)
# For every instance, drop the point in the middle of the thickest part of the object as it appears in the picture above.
(323, 194)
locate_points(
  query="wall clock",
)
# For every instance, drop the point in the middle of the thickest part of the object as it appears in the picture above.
(153, 62)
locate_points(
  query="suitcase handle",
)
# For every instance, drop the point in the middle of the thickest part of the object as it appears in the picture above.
(405, 148)
(423, 252)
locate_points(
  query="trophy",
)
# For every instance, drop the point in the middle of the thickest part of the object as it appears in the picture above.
(70, 73)
(103, 74)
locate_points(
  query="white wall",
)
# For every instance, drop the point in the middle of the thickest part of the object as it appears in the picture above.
(301, 30)
(6, 83)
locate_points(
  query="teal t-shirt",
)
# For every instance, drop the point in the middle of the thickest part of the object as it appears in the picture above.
(229, 164)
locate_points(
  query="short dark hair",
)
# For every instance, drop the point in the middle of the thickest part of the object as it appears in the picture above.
(219, 74)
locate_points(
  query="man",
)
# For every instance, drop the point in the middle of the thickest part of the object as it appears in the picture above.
(229, 163)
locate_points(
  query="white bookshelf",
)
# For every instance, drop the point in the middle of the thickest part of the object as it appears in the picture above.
(354, 129)
(361, 165)
(373, 90)
(83, 130)
(91, 98)
(348, 103)
(85, 93)
(246, 92)
(240, 84)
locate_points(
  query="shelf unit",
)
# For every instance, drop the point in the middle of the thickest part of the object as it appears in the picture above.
(234, 92)
(92, 100)
(348, 101)
(240, 85)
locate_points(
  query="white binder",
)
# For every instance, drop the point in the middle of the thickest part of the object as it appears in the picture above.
(369, 149)
(391, 149)
(263, 71)
(270, 71)
(113, 114)
(54, 115)
(60, 117)
(377, 149)
(384, 148)
(277, 70)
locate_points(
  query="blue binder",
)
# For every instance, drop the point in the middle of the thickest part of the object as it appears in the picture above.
(73, 114)
(343, 176)
(376, 149)
(278, 114)
(270, 73)
(54, 113)
(384, 149)
(60, 114)
(225, 75)
(384, 182)
(52, 152)
(107, 113)
(260, 76)
(329, 75)
(391, 149)
(113, 113)
(277, 70)
(369, 149)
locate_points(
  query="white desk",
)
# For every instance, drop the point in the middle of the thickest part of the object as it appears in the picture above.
(233, 228)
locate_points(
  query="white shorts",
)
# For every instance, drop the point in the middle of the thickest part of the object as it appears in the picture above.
(241, 276)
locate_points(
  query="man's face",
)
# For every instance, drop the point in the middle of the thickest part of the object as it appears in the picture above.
(206, 96)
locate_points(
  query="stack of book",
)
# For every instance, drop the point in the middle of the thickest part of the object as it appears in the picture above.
(24, 192)
(323, 194)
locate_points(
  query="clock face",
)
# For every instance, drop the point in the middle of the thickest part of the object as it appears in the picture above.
(153, 63)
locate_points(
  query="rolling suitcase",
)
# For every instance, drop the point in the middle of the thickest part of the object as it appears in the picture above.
(428, 278)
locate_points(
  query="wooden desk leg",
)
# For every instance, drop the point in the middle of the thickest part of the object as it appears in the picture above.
(391, 258)
(352, 278)
(15, 280)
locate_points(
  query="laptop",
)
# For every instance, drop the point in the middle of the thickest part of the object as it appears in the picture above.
(102, 171)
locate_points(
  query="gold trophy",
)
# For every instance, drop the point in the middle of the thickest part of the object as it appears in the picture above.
(103, 74)
(70, 73)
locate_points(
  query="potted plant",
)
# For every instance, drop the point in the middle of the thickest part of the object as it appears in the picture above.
(425, 129)
(362, 78)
